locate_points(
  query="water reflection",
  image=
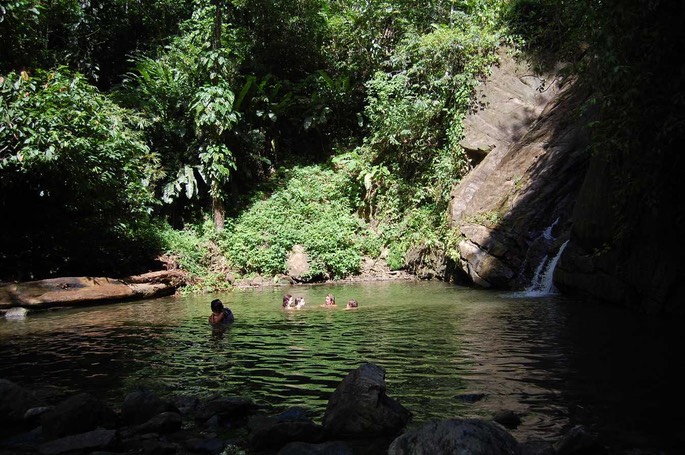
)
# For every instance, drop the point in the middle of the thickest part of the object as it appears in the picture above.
(553, 361)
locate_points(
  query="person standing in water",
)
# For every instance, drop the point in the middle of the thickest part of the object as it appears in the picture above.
(220, 314)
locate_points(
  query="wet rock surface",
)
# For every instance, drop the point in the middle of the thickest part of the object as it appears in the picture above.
(360, 419)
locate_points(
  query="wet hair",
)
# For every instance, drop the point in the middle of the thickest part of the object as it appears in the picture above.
(217, 306)
(352, 303)
(286, 300)
(332, 298)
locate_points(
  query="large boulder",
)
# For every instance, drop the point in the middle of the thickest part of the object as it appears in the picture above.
(78, 414)
(141, 405)
(456, 437)
(273, 432)
(359, 407)
(297, 264)
(14, 402)
(69, 291)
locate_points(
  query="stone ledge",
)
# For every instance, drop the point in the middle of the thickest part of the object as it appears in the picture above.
(70, 291)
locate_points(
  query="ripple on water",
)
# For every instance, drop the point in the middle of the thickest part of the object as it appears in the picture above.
(545, 359)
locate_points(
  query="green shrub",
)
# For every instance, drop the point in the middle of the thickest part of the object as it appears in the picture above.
(312, 210)
(75, 164)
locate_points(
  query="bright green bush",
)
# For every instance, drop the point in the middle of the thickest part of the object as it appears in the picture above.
(411, 159)
(194, 251)
(311, 210)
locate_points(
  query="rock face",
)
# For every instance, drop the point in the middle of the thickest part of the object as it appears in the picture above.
(536, 193)
(624, 257)
(526, 183)
(87, 290)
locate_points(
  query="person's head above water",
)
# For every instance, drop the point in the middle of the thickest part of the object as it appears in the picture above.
(330, 299)
(287, 300)
(217, 306)
(352, 304)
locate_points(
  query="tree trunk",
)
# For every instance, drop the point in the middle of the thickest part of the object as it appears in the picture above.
(216, 36)
(218, 212)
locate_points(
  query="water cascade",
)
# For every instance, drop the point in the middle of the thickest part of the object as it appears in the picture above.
(542, 280)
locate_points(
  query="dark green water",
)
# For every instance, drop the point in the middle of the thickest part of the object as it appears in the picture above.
(554, 361)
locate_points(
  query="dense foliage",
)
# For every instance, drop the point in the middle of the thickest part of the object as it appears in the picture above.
(74, 179)
(310, 211)
(329, 124)
(364, 99)
(92, 37)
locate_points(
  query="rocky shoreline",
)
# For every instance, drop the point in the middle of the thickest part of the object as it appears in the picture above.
(360, 418)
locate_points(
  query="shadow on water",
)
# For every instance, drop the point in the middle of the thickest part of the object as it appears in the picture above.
(552, 360)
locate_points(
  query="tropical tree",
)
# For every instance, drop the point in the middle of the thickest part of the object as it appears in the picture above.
(75, 178)
(186, 93)
(93, 37)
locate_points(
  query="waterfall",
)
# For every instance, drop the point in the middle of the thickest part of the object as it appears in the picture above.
(547, 233)
(542, 280)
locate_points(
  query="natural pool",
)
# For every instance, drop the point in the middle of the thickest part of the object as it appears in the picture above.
(555, 361)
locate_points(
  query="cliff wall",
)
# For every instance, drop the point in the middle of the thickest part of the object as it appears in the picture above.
(535, 188)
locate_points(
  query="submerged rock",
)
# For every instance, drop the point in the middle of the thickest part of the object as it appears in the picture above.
(16, 313)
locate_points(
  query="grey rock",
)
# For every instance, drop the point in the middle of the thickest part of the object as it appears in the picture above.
(360, 407)
(326, 448)
(210, 446)
(578, 441)
(456, 437)
(141, 405)
(225, 408)
(166, 422)
(98, 439)
(78, 414)
(15, 401)
(16, 313)
(272, 432)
